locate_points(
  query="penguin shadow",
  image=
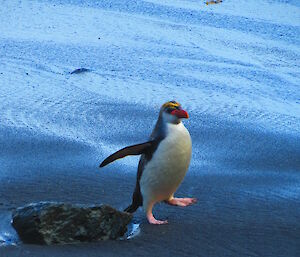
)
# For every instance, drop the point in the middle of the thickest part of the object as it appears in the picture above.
(181, 220)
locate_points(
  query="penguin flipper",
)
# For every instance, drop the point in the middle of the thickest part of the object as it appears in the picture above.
(129, 150)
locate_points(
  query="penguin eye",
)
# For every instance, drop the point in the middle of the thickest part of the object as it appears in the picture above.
(169, 110)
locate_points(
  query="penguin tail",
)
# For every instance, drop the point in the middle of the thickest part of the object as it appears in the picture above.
(131, 208)
(137, 201)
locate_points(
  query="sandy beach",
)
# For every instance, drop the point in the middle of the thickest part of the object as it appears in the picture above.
(233, 66)
(249, 207)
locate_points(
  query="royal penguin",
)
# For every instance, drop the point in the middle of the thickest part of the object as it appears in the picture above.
(164, 161)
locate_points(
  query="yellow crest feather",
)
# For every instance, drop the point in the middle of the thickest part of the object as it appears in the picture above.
(170, 104)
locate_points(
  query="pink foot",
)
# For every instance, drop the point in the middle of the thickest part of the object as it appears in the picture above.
(181, 201)
(154, 221)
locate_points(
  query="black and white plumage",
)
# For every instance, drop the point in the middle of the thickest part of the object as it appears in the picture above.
(163, 164)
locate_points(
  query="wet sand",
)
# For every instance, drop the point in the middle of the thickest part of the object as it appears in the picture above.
(247, 185)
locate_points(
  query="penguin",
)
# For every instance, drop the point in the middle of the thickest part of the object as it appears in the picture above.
(164, 161)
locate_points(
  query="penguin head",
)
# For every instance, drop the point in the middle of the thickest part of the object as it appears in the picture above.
(172, 112)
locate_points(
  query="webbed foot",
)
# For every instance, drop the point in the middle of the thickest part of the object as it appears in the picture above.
(181, 201)
(154, 221)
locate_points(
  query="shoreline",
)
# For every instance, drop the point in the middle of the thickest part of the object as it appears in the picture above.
(227, 219)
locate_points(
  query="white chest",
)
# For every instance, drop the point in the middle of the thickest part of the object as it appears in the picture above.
(168, 166)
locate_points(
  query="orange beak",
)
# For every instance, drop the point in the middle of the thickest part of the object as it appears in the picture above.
(181, 114)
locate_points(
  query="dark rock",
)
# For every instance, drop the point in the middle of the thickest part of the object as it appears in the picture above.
(60, 223)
